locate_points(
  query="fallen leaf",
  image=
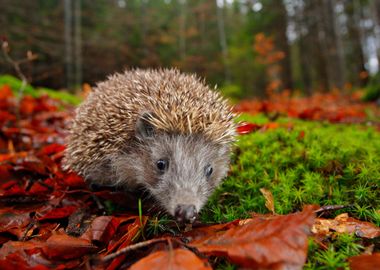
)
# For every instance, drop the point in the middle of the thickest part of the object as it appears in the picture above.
(345, 224)
(269, 200)
(58, 213)
(245, 128)
(14, 223)
(101, 229)
(62, 246)
(274, 243)
(124, 241)
(5, 92)
(179, 259)
(365, 262)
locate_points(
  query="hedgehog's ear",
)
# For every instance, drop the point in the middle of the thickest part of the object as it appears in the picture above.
(144, 129)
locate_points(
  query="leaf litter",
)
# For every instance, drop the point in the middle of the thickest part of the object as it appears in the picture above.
(50, 220)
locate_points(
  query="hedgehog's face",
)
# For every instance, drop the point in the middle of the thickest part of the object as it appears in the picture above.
(180, 171)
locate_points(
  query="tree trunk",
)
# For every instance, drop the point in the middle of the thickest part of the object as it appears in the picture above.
(78, 43)
(223, 41)
(68, 44)
(283, 43)
(182, 28)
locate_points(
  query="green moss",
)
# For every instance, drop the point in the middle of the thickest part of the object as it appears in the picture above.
(335, 257)
(330, 164)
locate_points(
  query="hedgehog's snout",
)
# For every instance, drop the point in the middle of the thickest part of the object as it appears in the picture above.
(185, 213)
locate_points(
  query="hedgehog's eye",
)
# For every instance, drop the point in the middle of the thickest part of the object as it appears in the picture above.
(162, 165)
(208, 170)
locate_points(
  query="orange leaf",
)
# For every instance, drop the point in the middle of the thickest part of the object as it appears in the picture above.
(5, 92)
(179, 259)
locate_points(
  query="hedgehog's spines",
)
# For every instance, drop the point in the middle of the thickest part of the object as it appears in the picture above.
(177, 103)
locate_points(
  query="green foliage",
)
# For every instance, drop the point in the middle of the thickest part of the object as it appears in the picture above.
(335, 257)
(15, 85)
(233, 92)
(372, 90)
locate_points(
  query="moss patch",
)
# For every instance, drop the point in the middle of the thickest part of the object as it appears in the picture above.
(311, 163)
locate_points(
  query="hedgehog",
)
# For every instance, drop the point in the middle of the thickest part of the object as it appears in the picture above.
(160, 130)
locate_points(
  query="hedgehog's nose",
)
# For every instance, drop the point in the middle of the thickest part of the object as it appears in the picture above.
(185, 213)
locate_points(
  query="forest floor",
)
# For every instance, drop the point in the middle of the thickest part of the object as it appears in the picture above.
(303, 191)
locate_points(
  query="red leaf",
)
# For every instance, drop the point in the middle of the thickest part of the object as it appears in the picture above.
(22, 261)
(246, 128)
(52, 149)
(6, 116)
(58, 213)
(14, 246)
(75, 181)
(179, 259)
(27, 105)
(124, 241)
(5, 92)
(301, 135)
(273, 243)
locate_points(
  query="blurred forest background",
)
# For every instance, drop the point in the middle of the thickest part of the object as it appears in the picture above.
(247, 47)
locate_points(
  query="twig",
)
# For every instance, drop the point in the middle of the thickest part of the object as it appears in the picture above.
(16, 66)
(122, 251)
(332, 208)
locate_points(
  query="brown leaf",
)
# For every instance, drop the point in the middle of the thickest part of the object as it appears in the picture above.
(101, 229)
(14, 246)
(13, 222)
(365, 262)
(345, 224)
(62, 246)
(273, 243)
(210, 231)
(269, 200)
(177, 259)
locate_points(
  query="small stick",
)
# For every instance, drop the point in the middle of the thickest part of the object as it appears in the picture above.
(16, 66)
(332, 208)
(130, 248)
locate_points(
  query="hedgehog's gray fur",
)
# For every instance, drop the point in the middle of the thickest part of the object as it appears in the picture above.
(134, 119)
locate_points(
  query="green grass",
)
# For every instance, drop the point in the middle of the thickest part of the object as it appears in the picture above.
(332, 164)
